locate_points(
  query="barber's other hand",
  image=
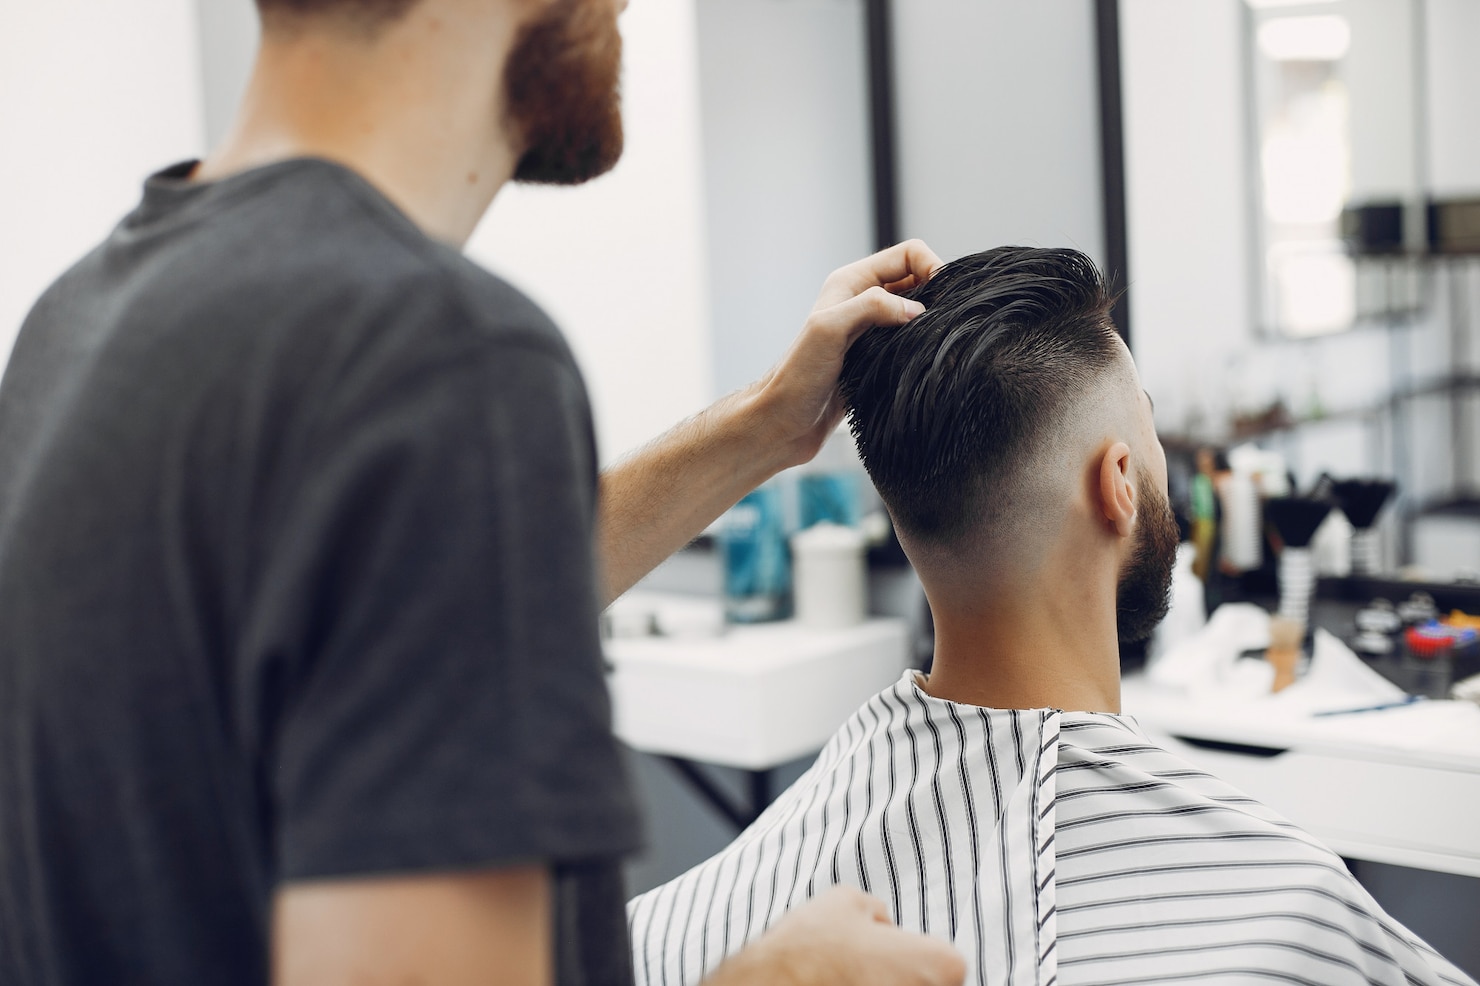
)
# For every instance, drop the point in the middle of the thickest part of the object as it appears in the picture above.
(797, 402)
(843, 936)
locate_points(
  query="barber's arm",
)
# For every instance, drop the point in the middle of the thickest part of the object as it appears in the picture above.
(467, 929)
(494, 928)
(662, 496)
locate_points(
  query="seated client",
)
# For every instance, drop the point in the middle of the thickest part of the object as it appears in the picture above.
(1003, 802)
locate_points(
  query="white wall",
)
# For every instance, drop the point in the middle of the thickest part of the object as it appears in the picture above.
(998, 124)
(1189, 178)
(1187, 204)
(1381, 77)
(620, 262)
(228, 44)
(94, 96)
(1190, 222)
(1453, 83)
(787, 168)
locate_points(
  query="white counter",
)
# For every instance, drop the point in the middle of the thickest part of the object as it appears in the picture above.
(1399, 785)
(756, 697)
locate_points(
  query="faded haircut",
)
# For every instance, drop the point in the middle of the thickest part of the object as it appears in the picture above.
(953, 409)
(366, 16)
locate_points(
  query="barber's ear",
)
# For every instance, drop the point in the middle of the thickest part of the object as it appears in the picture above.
(1117, 493)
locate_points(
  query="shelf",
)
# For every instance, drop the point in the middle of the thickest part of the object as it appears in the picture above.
(1467, 508)
(1454, 383)
(1442, 385)
(1365, 588)
(1293, 423)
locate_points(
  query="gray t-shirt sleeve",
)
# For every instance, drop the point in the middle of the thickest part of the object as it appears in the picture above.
(430, 631)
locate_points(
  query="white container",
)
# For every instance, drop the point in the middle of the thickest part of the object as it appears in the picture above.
(1241, 522)
(829, 576)
(1188, 613)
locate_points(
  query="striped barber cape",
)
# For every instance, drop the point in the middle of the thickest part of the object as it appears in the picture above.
(1050, 847)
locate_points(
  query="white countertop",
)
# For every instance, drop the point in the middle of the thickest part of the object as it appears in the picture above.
(1428, 733)
(755, 697)
(1398, 785)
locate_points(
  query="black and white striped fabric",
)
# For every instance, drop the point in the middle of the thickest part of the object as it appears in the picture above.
(1051, 847)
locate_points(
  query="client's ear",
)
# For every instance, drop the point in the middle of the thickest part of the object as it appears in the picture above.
(1117, 493)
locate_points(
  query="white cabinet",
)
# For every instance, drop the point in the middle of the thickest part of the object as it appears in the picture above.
(1397, 786)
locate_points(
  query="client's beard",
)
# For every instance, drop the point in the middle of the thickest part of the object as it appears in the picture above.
(1144, 592)
(563, 84)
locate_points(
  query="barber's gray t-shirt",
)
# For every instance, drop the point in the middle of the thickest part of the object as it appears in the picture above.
(296, 582)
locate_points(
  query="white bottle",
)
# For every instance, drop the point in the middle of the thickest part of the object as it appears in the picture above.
(829, 583)
(1187, 615)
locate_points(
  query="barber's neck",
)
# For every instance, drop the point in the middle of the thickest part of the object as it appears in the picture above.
(1044, 640)
(417, 111)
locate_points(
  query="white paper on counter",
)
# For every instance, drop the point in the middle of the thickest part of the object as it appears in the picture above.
(1208, 668)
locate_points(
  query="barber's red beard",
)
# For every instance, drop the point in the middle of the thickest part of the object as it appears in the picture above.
(563, 79)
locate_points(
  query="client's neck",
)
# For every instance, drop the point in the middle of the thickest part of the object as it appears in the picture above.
(1047, 641)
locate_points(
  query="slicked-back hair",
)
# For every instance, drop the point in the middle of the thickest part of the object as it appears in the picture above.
(363, 15)
(951, 409)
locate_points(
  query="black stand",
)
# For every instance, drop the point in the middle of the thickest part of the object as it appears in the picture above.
(738, 814)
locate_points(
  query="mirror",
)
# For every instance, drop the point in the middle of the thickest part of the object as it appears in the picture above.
(1281, 159)
(1336, 166)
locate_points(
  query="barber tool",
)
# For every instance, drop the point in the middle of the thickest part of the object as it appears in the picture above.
(1285, 637)
(1376, 624)
(1430, 653)
(1466, 660)
(1296, 519)
(1418, 608)
(1362, 500)
(1435, 640)
(1459, 618)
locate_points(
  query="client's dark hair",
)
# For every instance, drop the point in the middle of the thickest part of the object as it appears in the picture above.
(960, 400)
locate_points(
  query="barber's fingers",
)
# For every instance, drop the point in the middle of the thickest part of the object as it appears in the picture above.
(871, 950)
(919, 960)
(853, 899)
(845, 321)
(904, 284)
(890, 956)
(897, 268)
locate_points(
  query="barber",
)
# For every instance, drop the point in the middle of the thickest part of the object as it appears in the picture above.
(299, 672)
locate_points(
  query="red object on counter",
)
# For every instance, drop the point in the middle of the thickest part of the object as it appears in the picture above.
(1428, 641)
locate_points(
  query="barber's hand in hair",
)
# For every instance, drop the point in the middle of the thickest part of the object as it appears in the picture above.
(843, 936)
(798, 399)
